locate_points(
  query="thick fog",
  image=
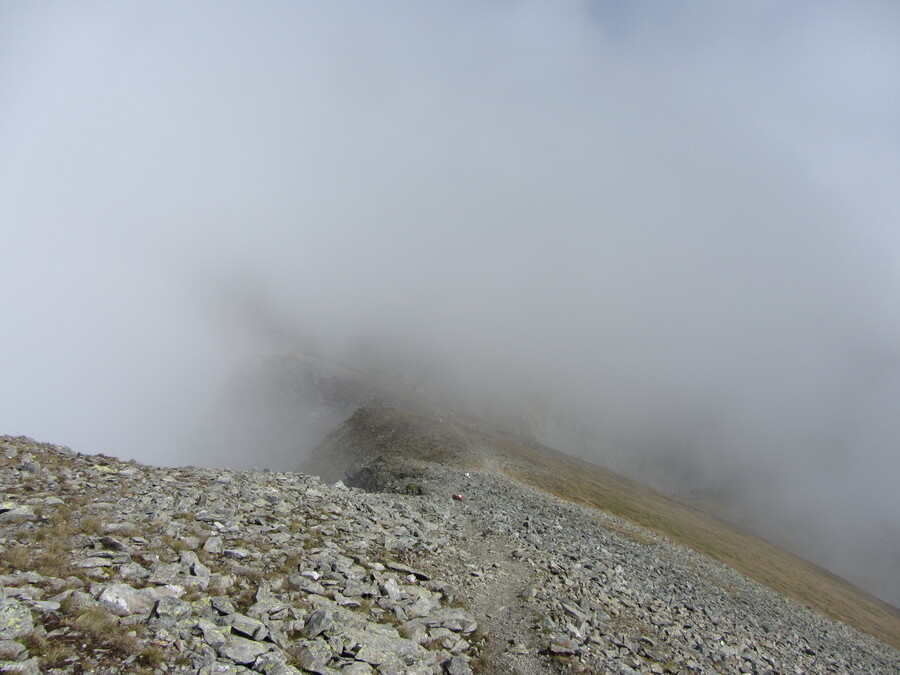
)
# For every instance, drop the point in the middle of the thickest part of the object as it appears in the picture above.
(665, 235)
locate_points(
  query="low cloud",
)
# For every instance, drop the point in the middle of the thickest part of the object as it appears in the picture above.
(671, 231)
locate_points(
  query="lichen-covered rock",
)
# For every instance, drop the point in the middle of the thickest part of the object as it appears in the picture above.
(15, 619)
(28, 667)
(315, 656)
(17, 513)
(241, 650)
(123, 600)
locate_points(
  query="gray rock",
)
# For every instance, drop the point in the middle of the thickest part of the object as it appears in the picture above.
(29, 465)
(314, 658)
(93, 562)
(424, 603)
(213, 635)
(78, 600)
(344, 601)
(300, 582)
(123, 600)
(399, 567)
(29, 667)
(246, 626)
(236, 553)
(15, 619)
(391, 589)
(171, 606)
(10, 649)
(223, 604)
(381, 646)
(267, 607)
(157, 593)
(113, 544)
(17, 513)
(133, 571)
(213, 545)
(241, 650)
(45, 606)
(225, 668)
(119, 528)
(458, 620)
(619, 604)
(415, 630)
(457, 666)
(357, 668)
(574, 611)
(165, 573)
(317, 623)
(274, 663)
(198, 569)
(562, 645)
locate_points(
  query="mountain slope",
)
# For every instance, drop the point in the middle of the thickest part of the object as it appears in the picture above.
(377, 440)
(109, 567)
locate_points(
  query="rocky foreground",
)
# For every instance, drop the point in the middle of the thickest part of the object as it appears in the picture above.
(114, 567)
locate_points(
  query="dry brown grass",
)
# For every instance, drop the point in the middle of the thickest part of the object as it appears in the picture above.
(50, 652)
(47, 549)
(94, 635)
(55, 561)
(15, 557)
(175, 544)
(91, 525)
(152, 655)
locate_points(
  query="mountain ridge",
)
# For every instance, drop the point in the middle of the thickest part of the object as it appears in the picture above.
(112, 566)
(413, 539)
(581, 482)
(381, 416)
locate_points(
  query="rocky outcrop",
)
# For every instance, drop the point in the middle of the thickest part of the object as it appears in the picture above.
(112, 567)
(208, 571)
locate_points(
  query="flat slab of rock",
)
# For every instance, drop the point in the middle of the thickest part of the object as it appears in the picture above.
(123, 600)
(15, 619)
(458, 620)
(13, 513)
(241, 650)
(376, 648)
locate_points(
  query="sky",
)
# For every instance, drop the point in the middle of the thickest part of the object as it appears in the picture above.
(674, 227)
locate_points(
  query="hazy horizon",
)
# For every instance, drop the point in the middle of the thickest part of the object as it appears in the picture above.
(674, 225)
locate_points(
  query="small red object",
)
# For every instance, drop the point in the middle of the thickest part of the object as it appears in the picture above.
(458, 498)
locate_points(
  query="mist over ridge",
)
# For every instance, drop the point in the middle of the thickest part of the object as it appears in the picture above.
(664, 238)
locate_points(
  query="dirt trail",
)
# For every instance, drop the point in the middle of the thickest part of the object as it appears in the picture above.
(493, 590)
(494, 580)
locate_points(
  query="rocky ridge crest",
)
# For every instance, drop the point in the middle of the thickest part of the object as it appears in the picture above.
(111, 567)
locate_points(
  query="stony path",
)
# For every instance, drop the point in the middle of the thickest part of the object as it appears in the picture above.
(594, 593)
(493, 590)
(114, 567)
